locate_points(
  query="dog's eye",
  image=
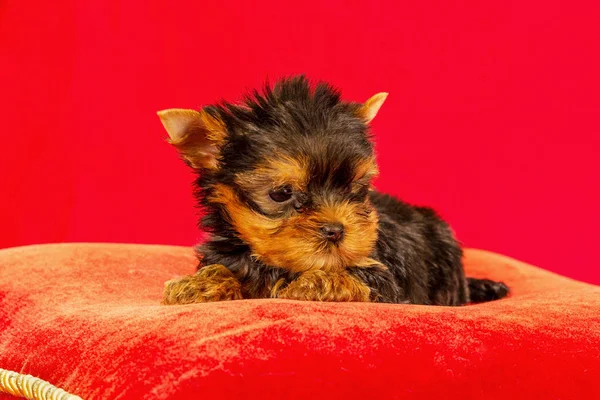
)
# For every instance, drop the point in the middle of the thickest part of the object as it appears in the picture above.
(282, 194)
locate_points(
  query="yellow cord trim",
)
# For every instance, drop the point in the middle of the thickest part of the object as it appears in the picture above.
(31, 387)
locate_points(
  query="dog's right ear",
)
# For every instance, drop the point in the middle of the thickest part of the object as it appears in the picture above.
(197, 135)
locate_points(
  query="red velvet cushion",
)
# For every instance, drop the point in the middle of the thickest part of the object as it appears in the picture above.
(87, 318)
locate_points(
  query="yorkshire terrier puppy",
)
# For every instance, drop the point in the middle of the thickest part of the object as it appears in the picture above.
(285, 182)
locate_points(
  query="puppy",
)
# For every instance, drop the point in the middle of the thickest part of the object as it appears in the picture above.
(285, 182)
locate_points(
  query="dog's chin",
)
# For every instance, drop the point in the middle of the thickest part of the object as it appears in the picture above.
(325, 257)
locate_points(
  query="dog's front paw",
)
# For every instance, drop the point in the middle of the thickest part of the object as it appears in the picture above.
(325, 286)
(211, 283)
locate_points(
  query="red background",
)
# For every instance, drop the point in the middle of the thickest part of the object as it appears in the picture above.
(492, 118)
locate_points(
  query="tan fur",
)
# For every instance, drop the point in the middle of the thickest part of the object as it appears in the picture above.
(366, 170)
(211, 283)
(371, 107)
(324, 286)
(295, 243)
(196, 134)
(216, 130)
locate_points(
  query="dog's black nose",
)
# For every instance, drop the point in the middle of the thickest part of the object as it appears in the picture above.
(333, 232)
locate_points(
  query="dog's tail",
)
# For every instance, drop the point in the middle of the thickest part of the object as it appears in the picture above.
(481, 290)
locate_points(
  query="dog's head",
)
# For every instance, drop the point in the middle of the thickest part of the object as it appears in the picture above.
(289, 172)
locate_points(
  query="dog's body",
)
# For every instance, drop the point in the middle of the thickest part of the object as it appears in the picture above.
(285, 180)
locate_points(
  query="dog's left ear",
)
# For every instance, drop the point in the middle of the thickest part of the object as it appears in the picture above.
(197, 135)
(369, 109)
